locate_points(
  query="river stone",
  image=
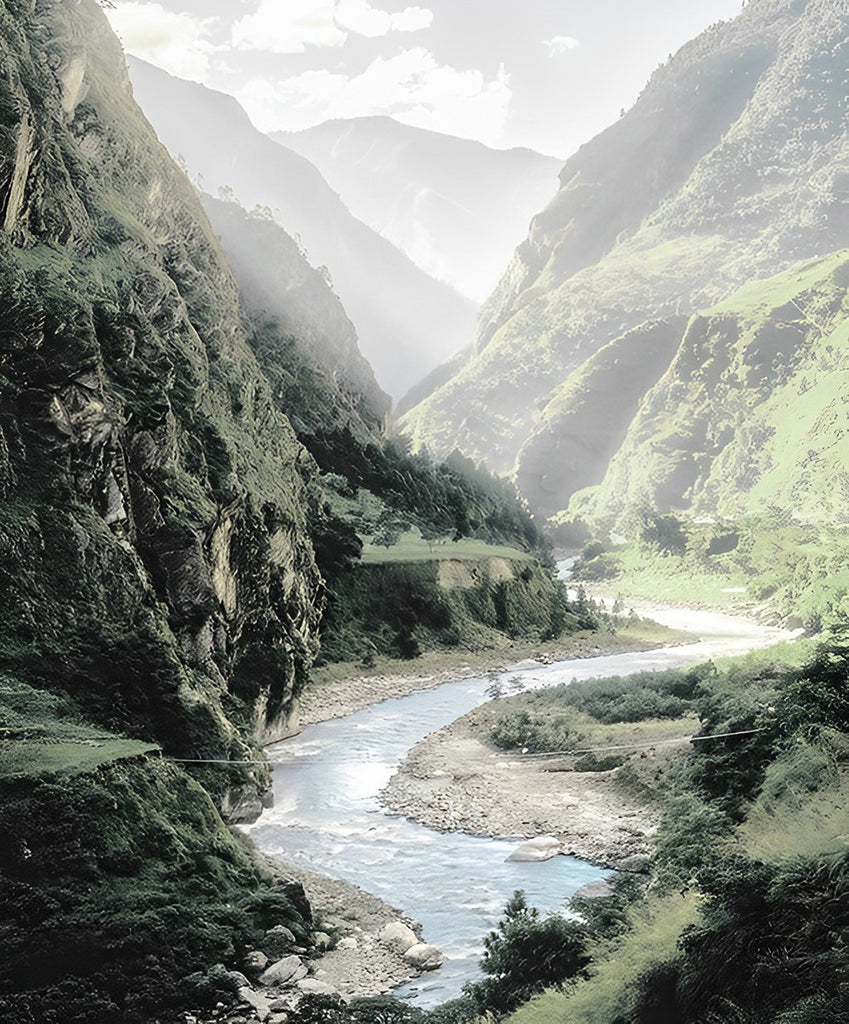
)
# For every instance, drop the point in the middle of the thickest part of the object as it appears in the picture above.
(595, 890)
(637, 864)
(424, 957)
(398, 936)
(312, 987)
(541, 848)
(284, 972)
(255, 962)
(257, 1000)
(238, 979)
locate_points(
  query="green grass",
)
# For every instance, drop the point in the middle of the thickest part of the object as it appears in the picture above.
(413, 548)
(43, 734)
(32, 759)
(656, 927)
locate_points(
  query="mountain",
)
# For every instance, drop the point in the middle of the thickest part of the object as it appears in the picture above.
(455, 206)
(406, 322)
(750, 415)
(189, 454)
(298, 329)
(730, 167)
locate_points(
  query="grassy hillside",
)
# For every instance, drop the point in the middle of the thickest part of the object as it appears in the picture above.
(730, 167)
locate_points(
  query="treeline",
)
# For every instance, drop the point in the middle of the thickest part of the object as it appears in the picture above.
(453, 497)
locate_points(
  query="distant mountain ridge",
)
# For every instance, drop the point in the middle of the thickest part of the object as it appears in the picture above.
(732, 166)
(407, 322)
(455, 206)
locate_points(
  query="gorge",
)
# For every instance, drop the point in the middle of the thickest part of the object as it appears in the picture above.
(224, 544)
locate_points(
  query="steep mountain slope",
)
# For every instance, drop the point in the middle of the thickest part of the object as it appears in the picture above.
(731, 166)
(455, 206)
(157, 577)
(162, 531)
(298, 329)
(752, 412)
(406, 322)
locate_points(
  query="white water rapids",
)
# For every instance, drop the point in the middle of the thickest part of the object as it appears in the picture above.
(327, 815)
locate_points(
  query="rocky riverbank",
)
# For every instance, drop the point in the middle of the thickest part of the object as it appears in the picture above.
(363, 947)
(454, 780)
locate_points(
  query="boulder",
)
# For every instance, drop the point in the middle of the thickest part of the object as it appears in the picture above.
(238, 979)
(595, 890)
(283, 972)
(397, 936)
(424, 957)
(256, 1000)
(313, 987)
(541, 848)
(279, 940)
(255, 962)
(638, 864)
(348, 943)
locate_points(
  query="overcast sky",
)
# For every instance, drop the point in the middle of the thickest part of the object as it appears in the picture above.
(548, 74)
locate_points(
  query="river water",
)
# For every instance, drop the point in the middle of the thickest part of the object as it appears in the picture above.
(327, 815)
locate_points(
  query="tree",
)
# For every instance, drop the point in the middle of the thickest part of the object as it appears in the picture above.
(526, 954)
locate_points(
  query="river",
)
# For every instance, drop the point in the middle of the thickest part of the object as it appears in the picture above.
(327, 814)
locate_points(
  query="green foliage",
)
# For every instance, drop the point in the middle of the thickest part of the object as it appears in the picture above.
(526, 954)
(119, 889)
(453, 497)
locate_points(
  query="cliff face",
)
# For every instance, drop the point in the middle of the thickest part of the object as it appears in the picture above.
(730, 167)
(156, 564)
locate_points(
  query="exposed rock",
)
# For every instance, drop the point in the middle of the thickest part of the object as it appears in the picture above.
(541, 848)
(638, 863)
(284, 972)
(595, 890)
(255, 962)
(424, 957)
(322, 940)
(314, 987)
(256, 1000)
(398, 936)
(279, 940)
(349, 942)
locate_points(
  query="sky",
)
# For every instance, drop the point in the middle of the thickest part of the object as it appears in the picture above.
(547, 74)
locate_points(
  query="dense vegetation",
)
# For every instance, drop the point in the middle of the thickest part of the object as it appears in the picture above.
(797, 568)
(751, 831)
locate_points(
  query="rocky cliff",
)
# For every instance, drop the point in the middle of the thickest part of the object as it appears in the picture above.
(156, 559)
(730, 167)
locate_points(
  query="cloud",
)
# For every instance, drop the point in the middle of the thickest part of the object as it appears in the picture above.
(561, 44)
(292, 26)
(411, 86)
(178, 43)
(360, 17)
(289, 27)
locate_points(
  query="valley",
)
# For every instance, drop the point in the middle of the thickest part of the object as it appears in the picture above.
(288, 666)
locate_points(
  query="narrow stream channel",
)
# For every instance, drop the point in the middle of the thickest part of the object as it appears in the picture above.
(327, 815)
